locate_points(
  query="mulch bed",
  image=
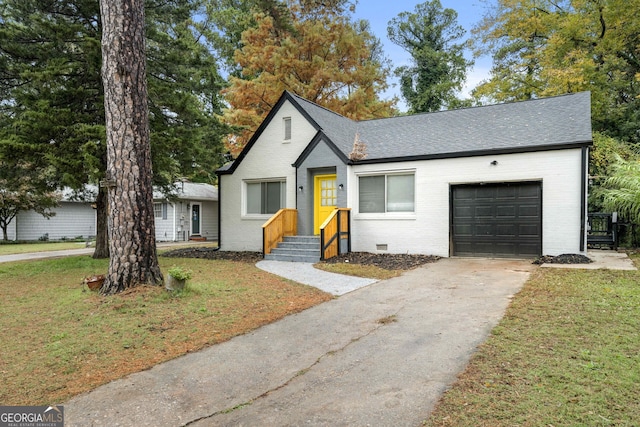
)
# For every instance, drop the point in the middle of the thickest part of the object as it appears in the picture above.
(213, 253)
(385, 261)
(563, 259)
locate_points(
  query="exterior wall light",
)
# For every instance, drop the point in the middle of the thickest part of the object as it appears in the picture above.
(300, 189)
(494, 163)
(341, 187)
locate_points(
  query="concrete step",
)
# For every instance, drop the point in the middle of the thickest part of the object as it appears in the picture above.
(291, 258)
(315, 246)
(302, 239)
(297, 249)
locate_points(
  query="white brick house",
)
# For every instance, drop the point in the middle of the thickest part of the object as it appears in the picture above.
(507, 180)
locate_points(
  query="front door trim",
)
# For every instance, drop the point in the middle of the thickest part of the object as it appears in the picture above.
(325, 199)
(196, 219)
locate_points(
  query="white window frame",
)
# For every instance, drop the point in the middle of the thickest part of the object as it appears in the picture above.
(387, 214)
(245, 196)
(157, 210)
(286, 129)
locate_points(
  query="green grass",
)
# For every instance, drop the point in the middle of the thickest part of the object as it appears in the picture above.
(59, 339)
(359, 270)
(23, 248)
(567, 353)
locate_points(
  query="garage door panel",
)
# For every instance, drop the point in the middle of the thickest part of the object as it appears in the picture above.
(529, 230)
(463, 212)
(465, 194)
(462, 230)
(506, 211)
(529, 211)
(484, 212)
(532, 249)
(506, 230)
(509, 193)
(504, 249)
(531, 191)
(503, 220)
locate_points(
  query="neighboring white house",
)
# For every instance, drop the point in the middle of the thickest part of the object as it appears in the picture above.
(191, 212)
(75, 217)
(507, 180)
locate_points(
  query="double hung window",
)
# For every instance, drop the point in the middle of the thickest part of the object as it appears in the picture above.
(265, 198)
(160, 210)
(386, 193)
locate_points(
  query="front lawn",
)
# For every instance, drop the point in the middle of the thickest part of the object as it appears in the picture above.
(567, 353)
(8, 248)
(59, 339)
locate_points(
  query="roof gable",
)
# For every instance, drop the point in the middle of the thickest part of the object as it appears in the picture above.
(230, 167)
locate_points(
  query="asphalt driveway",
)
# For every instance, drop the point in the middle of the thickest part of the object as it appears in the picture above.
(380, 355)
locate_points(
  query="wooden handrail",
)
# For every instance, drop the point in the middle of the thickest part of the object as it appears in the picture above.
(333, 230)
(282, 223)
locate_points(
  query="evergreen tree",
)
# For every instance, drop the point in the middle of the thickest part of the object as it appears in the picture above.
(53, 98)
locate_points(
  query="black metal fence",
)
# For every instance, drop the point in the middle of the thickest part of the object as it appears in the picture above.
(602, 230)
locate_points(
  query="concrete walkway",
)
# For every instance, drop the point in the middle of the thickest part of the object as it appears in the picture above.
(380, 355)
(305, 273)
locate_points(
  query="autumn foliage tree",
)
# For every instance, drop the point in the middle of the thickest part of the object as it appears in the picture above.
(317, 53)
(545, 48)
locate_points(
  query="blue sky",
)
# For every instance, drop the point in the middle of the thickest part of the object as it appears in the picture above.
(380, 12)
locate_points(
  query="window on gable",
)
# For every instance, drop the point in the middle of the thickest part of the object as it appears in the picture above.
(287, 128)
(265, 198)
(386, 193)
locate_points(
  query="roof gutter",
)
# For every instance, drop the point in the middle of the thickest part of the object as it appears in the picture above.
(475, 153)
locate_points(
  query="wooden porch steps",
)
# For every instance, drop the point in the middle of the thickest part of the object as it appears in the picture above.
(296, 249)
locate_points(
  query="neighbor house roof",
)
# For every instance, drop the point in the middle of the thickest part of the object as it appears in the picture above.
(190, 191)
(533, 125)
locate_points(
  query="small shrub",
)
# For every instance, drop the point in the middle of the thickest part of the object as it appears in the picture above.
(180, 273)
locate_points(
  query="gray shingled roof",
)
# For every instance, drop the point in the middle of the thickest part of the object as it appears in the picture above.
(191, 191)
(519, 126)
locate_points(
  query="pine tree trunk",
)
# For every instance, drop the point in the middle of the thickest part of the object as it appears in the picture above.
(102, 215)
(132, 243)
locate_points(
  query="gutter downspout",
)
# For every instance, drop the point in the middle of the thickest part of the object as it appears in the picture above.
(219, 211)
(583, 197)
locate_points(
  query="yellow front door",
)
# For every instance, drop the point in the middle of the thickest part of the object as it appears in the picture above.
(325, 199)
